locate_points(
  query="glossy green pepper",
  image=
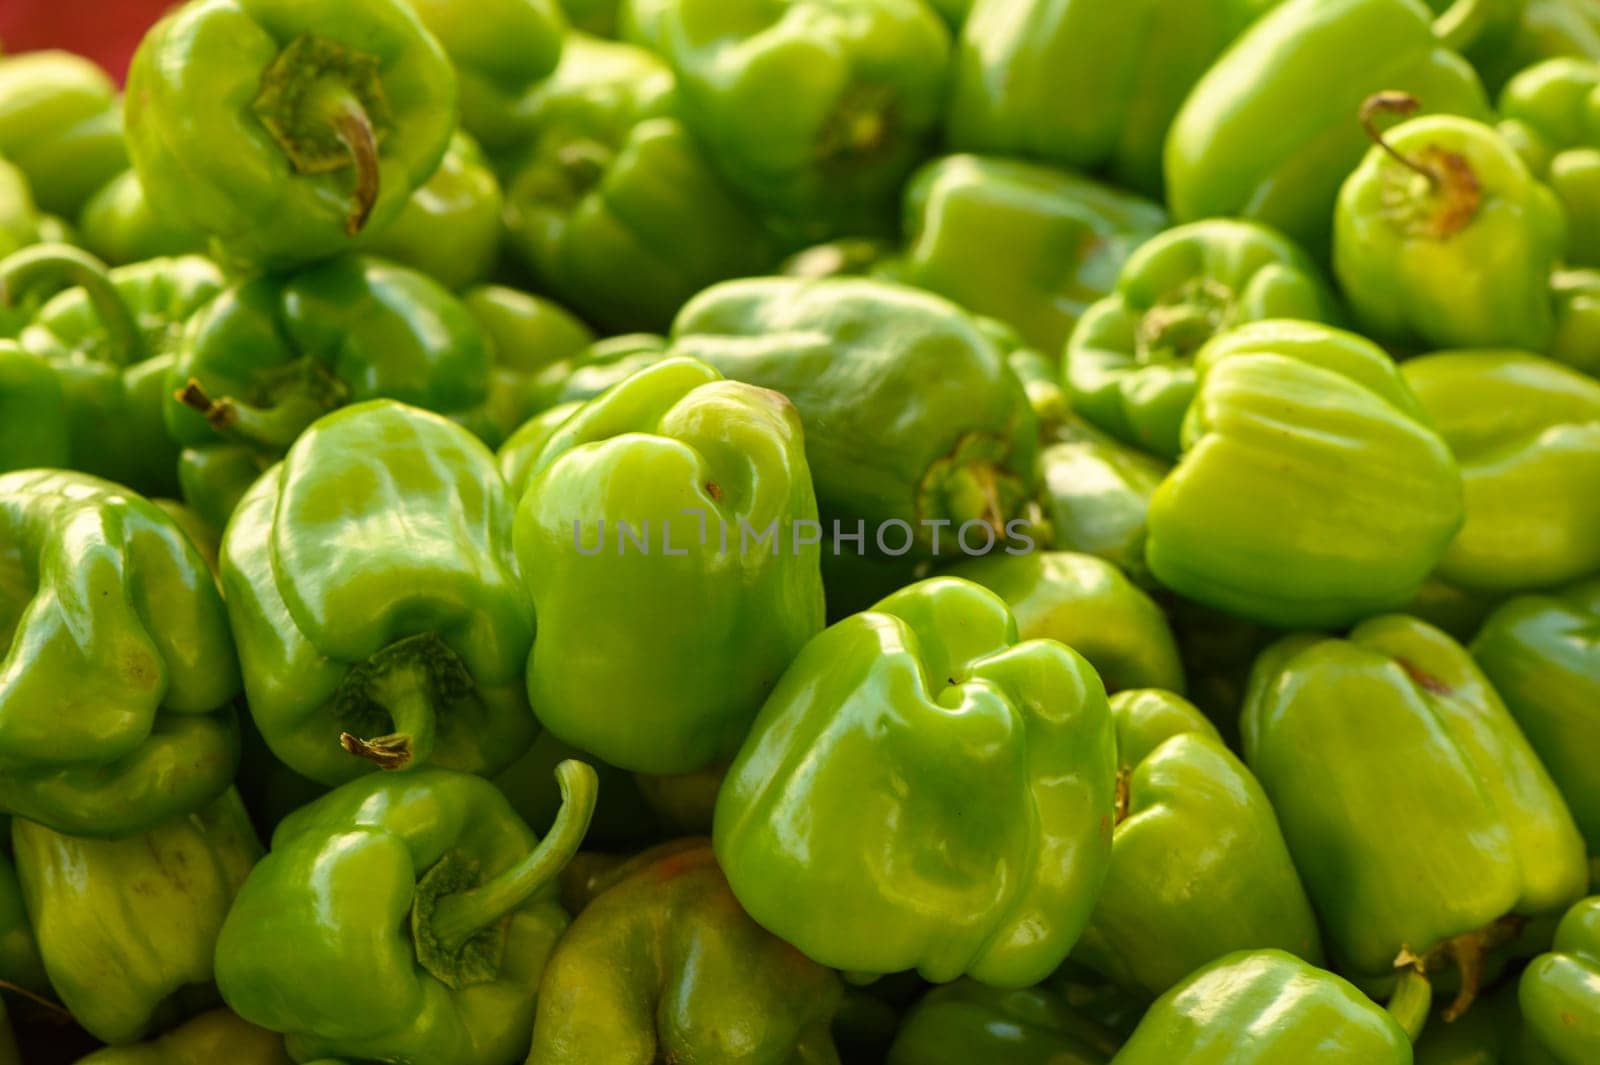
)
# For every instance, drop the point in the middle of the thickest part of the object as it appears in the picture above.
(925, 712)
(1271, 130)
(19, 215)
(663, 965)
(20, 964)
(120, 666)
(403, 649)
(1550, 29)
(1443, 238)
(1343, 734)
(127, 927)
(1312, 490)
(915, 423)
(965, 1022)
(111, 339)
(1552, 116)
(1066, 238)
(1541, 654)
(587, 373)
(676, 486)
(525, 334)
(1129, 365)
(284, 130)
(1089, 605)
(274, 353)
(1266, 1007)
(612, 205)
(519, 455)
(1199, 867)
(33, 416)
(1095, 494)
(213, 1038)
(423, 911)
(450, 228)
(1526, 433)
(501, 50)
(1125, 71)
(61, 124)
(1560, 991)
(1577, 299)
(815, 111)
(119, 225)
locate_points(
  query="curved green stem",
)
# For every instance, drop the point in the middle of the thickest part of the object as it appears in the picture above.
(60, 266)
(1393, 103)
(1411, 1001)
(351, 125)
(406, 694)
(457, 917)
(268, 428)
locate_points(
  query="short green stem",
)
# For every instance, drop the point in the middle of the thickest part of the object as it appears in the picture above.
(270, 429)
(1411, 1001)
(60, 266)
(406, 694)
(351, 125)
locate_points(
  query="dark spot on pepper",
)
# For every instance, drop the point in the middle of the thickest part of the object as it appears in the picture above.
(714, 490)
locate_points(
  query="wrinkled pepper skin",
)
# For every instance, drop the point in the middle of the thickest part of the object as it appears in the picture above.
(61, 124)
(450, 228)
(663, 965)
(424, 910)
(33, 417)
(966, 1022)
(127, 927)
(1485, 834)
(112, 339)
(612, 205)
(1526, 433)
(1552, 116)
(1095, 494)
(1199, 867)
(525, 334)
(501, 49)
(114, 690)
(213, 1038)
(922, 712)
(1127, 69)
(20, 964)
(677, 459)
(1066, 237)
(284, 130)
(1312, 491)
(1263, 1008)
(403, 649)
(119, 225)
(1129, 365)
(1271, 130)
(1577, 300)
(1458, 255)
(960, 445)
(1560, 991)
(1541, 654)
(815, 111)
(1087, 604)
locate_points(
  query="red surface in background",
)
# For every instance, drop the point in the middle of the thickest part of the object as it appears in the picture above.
(106, 31)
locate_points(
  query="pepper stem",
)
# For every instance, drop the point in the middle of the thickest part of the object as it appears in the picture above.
(406, 694)
(1124, 795)
(61, 266)
(354, 130)
(1394, 103)
(1411, 1001)
(458, 917)
(58, 1013)
(270, 428)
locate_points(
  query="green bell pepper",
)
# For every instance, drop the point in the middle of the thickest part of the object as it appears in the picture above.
(915, 423)
(1270, 132)
(217, 1037)
(274, 353)
(587, 373)
(1126, 73)
(676, 486)
(402, 649)
(525, 334)
(450, 228)
(684, 803)
(1577, 299)
(1422, 821)
(1066, 238)
(127, 927)
(815, 111)
(33, 415)
(1443, 238)
(1552, 116)
(519, 455)
(119, 663)
(966, 1022)
(61, 124)
(1312, 491)
(1095, 494)
(1550, 29)
(1560, 991)
(612, 206)
(1130, 361)
(19, 215)
(1266, 1007)
(1526, 433)
(283, 130)
(119, 225)
(20, 963)
(663, 965)
(501, 50)
(1492, 1034)
(1541, 654)
(1089, 605)
(1199, 866)
(205, 539)
(111, 339)
(1041, 380)
(421, 911)
(925, 713)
